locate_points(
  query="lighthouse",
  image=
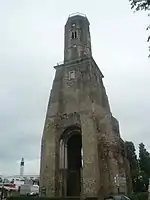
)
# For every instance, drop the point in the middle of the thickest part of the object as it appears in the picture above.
(22, 167)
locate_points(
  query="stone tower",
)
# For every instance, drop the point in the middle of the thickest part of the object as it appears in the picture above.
(82, 153)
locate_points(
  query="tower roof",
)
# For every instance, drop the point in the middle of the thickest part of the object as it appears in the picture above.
(77, 15)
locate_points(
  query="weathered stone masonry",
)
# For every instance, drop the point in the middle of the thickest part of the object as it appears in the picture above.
(79, 105)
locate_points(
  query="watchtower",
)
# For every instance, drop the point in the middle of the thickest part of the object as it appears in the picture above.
(81, 152)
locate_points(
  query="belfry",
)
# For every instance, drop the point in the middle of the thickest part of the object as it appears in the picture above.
(82, 153)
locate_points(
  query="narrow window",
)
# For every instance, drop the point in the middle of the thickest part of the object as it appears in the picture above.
(72, 35)
(71, 75)
(75, 34)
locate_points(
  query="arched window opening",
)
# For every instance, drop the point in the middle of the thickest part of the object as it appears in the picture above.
(75, 34)
(72, 35)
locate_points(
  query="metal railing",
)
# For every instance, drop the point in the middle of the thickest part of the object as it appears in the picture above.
(77, 13)
(60, 63)
(73, 60)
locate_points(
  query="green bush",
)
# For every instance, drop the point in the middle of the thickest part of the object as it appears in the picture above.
(139, 196)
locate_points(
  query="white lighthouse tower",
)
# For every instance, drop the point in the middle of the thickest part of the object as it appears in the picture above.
(22, 167)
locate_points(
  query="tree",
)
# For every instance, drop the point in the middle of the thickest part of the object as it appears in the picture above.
(139, 168)
(133, 161)
(141, 5)
(144, 159)
(144, 164)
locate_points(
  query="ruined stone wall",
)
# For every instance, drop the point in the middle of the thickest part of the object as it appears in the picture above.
(78, 97)
(112, 157)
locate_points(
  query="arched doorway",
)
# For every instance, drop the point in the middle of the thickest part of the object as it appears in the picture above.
(71, 160)
(74, 145)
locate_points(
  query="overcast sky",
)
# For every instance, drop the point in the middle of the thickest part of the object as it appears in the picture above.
(31, 43)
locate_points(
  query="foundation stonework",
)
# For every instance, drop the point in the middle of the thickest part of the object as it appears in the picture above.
(79, 104)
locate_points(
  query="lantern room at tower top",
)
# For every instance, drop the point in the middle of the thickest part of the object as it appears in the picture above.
(77, 37)
(77, 15)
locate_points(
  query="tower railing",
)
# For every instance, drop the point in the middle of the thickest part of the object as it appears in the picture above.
(77, 13)
(73, 60)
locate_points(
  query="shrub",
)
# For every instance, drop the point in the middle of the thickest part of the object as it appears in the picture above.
(139, 196)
